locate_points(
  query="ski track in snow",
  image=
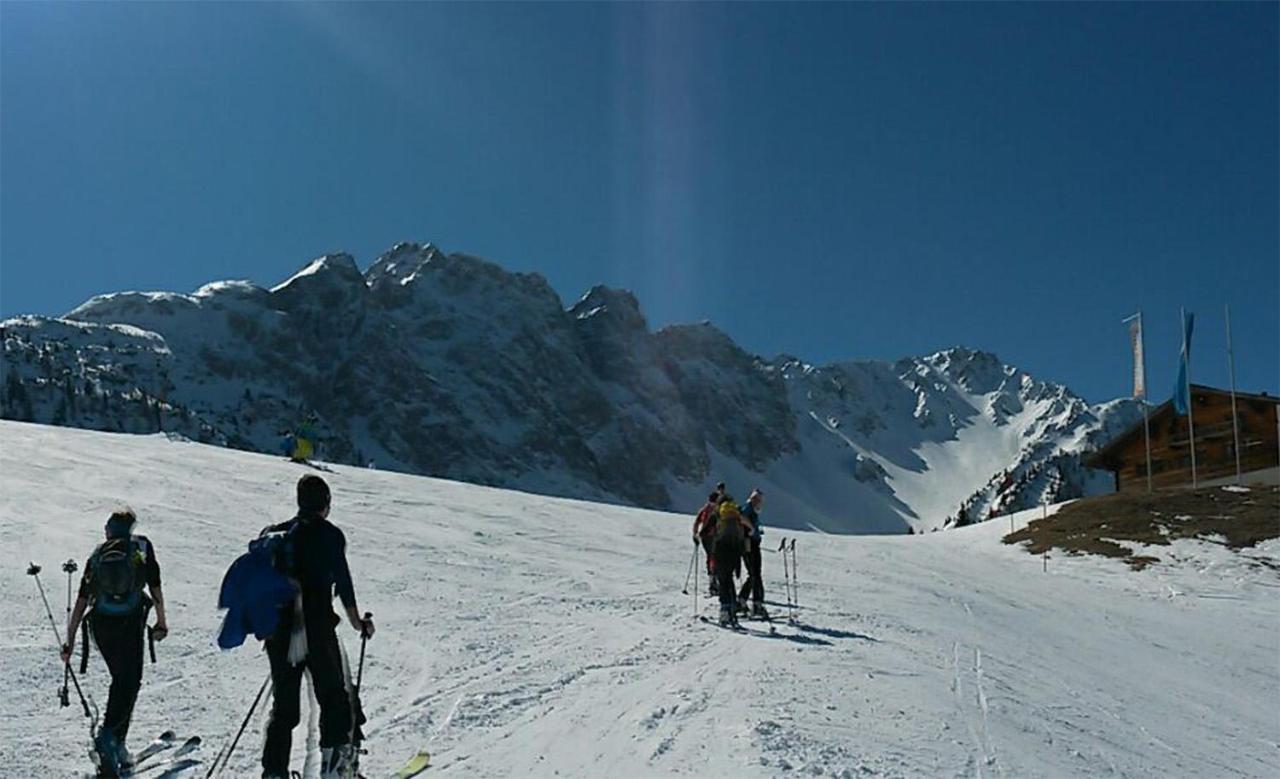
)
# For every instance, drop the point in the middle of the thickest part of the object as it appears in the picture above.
(519, 634)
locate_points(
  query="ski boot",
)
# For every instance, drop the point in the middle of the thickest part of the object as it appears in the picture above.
(726, 616)
(339, 762)
(124, 758)
(758, 611)
(108, 755)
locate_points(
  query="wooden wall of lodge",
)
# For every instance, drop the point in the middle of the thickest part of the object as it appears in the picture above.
(1215, 445)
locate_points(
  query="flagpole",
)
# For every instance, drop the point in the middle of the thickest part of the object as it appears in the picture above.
(1191, 424)
(1146, 420)
(1231, 367)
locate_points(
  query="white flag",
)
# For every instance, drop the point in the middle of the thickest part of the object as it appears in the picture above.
(1135, 335)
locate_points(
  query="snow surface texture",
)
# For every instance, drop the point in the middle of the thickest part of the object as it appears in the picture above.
(521, 635)
(447, 365)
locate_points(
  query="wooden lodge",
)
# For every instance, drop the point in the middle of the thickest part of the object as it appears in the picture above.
(1126, 455)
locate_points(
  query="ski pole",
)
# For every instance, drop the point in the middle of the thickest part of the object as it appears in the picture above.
(795, 573)
(692, 560)
(151, 644)
(695, 584)
(64, 696)
(225, 754)
(786, 576)
(33, 571)
(364, 639)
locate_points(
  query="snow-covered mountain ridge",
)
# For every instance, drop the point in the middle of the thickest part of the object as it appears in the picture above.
(448, 365)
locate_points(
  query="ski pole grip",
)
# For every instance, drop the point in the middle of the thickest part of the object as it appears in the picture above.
(364, 624)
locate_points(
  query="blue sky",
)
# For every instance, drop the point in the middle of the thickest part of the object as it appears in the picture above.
(830, 181)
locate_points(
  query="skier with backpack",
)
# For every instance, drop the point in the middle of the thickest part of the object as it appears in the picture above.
(704, 533)
(729, 544)
(753, 587)
(311, 551)
(112, 585)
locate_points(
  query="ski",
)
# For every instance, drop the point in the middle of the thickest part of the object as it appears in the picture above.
(167, 769)
(742, 629)
(767, 620)
(161, 743)
(416, 765)
(165, 740)
(173, 768)
(733, 626)
(164, 759)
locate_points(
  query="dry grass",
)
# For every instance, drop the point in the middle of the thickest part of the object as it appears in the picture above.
(1101, 525)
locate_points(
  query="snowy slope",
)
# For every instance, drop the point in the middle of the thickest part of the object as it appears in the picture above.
(526, 635)
(447, 365)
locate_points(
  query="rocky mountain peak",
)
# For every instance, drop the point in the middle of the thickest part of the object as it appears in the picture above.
(452, 366)
(606, 304)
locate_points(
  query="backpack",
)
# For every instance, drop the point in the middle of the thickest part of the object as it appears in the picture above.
(276, 544)
(708, 518)
(255, 588)
(117, 578)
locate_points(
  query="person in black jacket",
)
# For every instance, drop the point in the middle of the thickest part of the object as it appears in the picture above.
(113, 582)
(315, 558)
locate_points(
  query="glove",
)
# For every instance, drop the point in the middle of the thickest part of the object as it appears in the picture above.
(66, 654)
(160, 631)
(696, 541)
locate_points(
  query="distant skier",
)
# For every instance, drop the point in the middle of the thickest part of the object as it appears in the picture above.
(112, 584)
(315, 557)
(704, 533)
(305, 439)
(753, 587)
(728, 547)
(288, 444)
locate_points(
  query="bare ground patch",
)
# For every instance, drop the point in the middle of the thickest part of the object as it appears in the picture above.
(1101, 525)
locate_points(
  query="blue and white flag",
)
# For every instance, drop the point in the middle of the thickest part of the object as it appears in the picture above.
(1182, 391)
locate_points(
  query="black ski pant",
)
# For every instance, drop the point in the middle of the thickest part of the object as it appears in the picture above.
(328, 679)
(753, 587)
(119, 641)
(727, 554)
(708, 546)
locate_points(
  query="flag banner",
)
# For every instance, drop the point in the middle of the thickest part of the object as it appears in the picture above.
(1135, 335)
(1182, 392)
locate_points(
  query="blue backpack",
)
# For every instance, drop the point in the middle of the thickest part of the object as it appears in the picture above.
(255, 588)
(115, 570)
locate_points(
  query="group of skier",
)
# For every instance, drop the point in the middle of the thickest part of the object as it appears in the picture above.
(282, 591)
(730, 535)
(307, 555)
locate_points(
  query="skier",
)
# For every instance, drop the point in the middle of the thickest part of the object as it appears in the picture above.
(704, 533)
(754, 585)
(314, 555)
(727, 548)
(112, 585)
(304, 446)
(288, 445)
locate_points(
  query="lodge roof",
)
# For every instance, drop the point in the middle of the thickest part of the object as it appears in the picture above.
(1096, 459)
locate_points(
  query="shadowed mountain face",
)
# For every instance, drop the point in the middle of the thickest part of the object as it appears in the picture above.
(448, 365)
